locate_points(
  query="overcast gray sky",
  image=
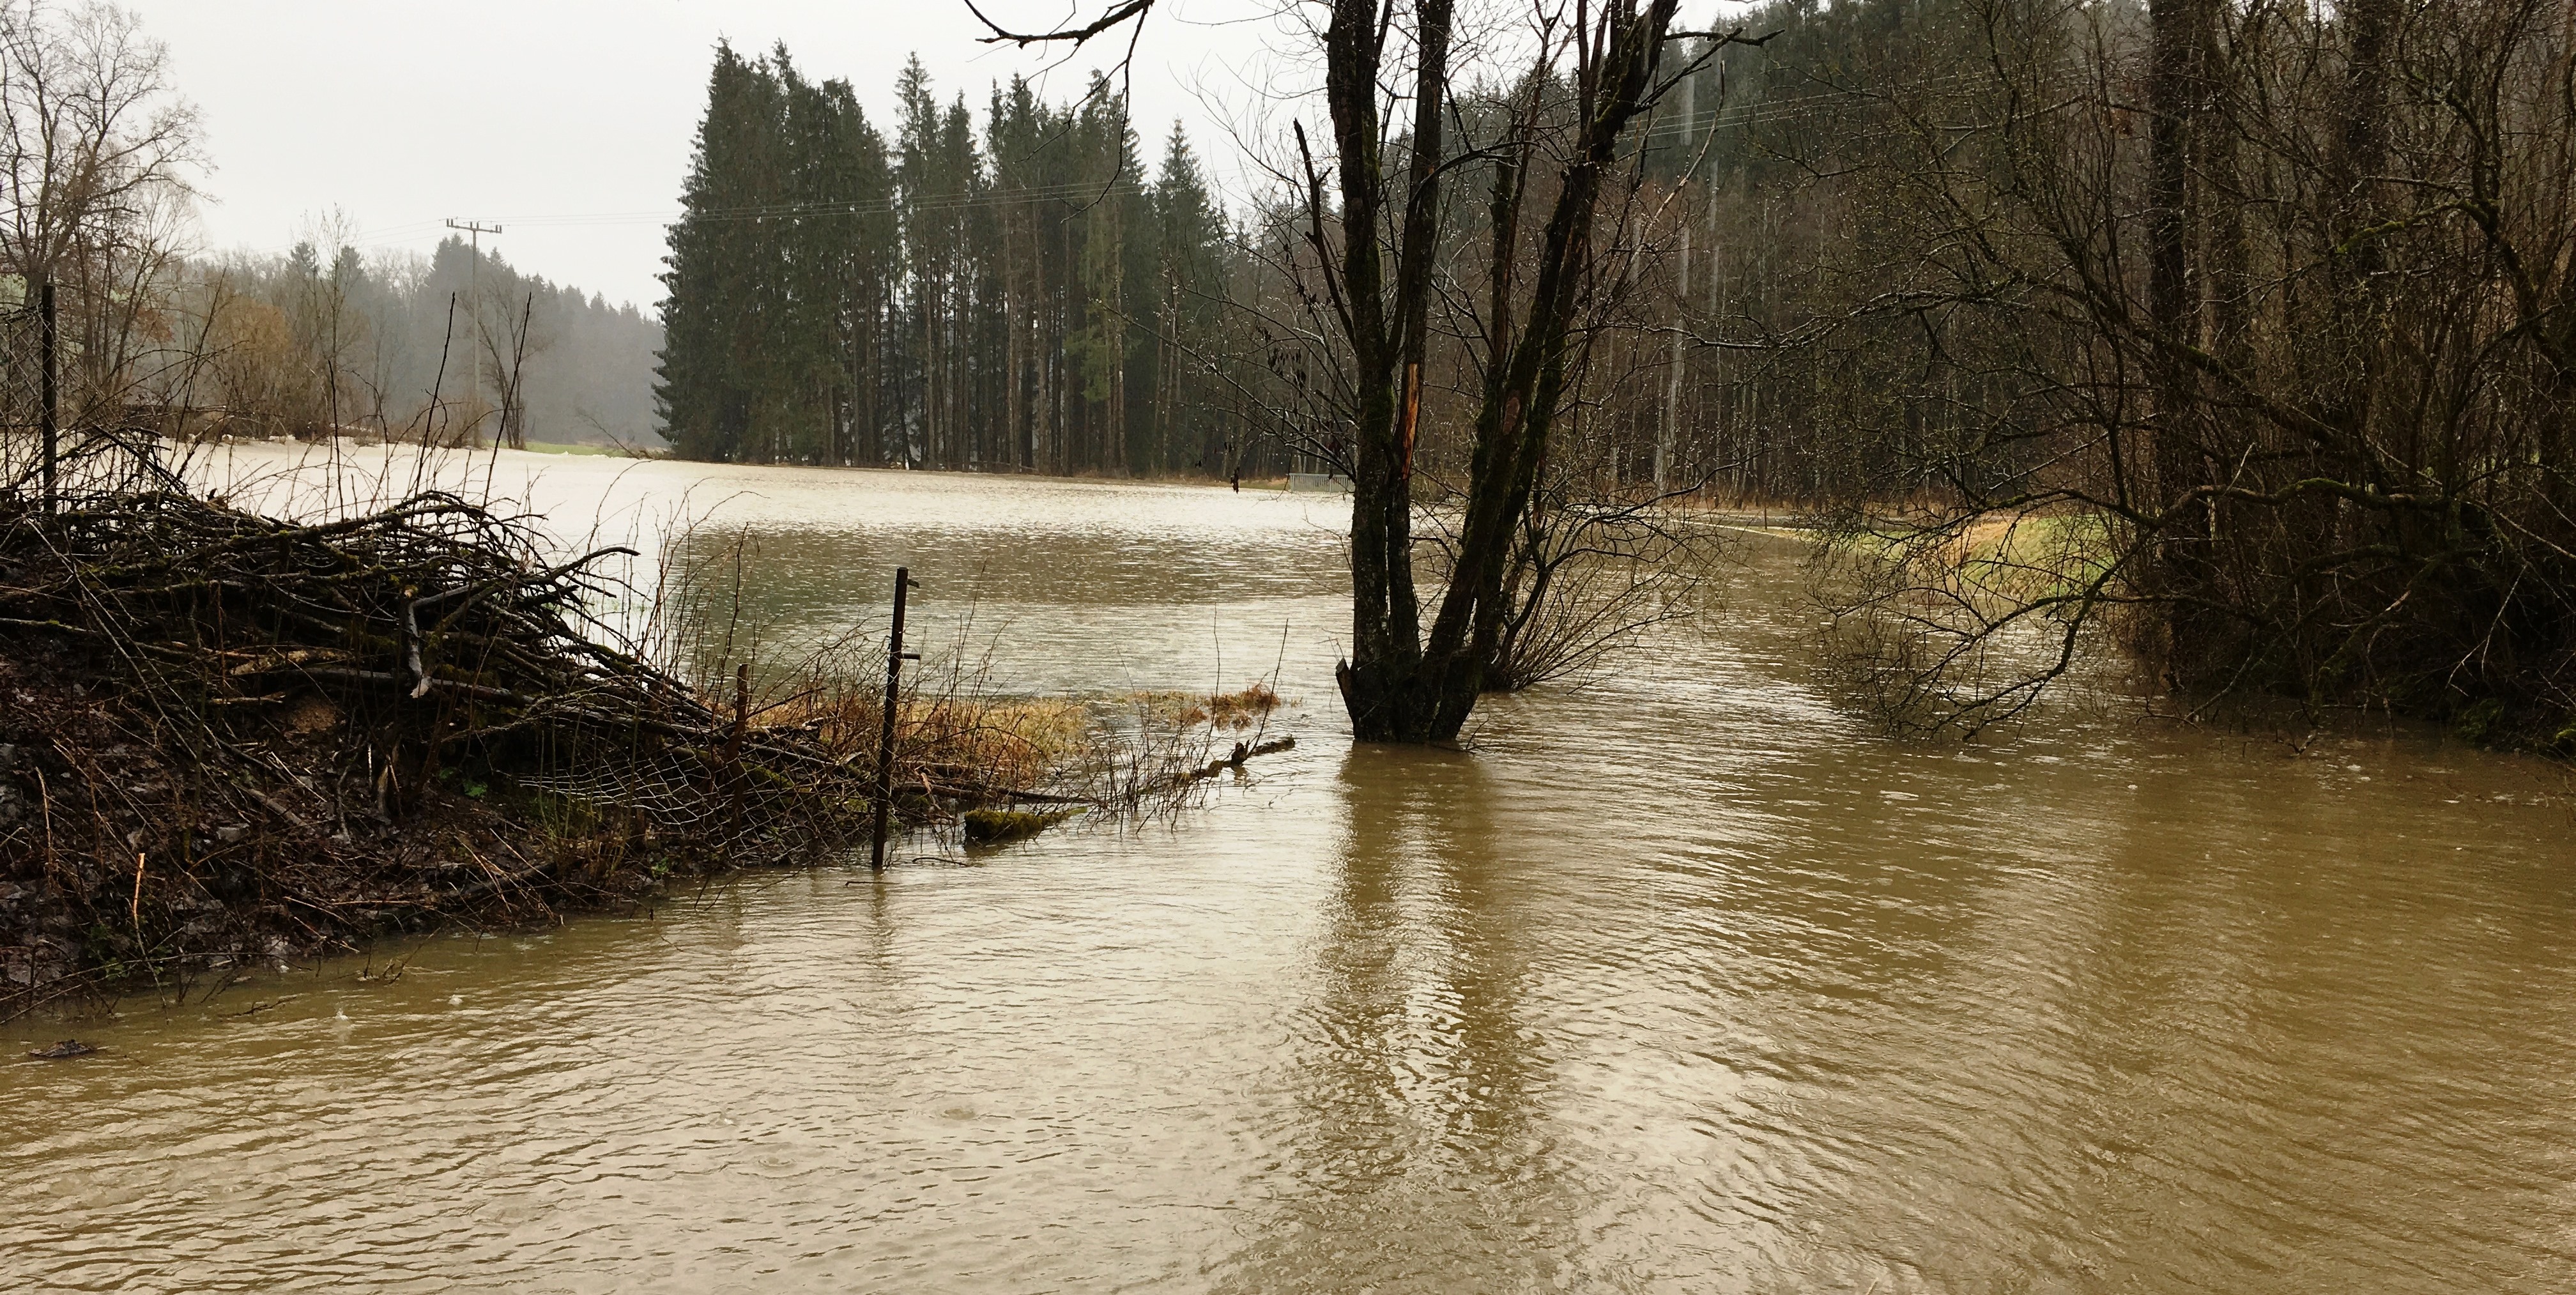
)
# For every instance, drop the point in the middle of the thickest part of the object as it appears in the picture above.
(568, 121)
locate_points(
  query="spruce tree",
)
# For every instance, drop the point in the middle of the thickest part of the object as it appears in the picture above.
(1188, 293)
(934, 296)
(706, 395)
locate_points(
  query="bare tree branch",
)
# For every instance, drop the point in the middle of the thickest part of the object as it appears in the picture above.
(1131, 11)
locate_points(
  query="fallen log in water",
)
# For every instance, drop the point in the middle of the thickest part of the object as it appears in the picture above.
(1241, 753)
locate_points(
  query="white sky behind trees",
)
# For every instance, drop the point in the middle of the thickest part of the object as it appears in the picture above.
(570, 121)
(532, 112)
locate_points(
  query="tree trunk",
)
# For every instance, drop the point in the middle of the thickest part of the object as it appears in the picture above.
(1382, 683)
(2178, 36)
(1396, 687)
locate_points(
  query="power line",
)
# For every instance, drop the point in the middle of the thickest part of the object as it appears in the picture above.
(1807, 106)
(395, 234)
(1764, 112)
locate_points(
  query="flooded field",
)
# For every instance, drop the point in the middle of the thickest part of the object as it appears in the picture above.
(1686, 980)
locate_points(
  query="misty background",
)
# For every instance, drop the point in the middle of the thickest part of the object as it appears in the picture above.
(571, 125)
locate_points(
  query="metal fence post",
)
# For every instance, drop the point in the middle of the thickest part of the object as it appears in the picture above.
(895, 657)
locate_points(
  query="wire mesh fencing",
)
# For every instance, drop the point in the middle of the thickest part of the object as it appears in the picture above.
(65, 433)
(25, 360)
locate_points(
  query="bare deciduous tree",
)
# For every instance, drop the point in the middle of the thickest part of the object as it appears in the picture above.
(98, 160)
(1370, 213)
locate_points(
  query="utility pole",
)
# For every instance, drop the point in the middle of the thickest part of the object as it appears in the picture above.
(1724, 437)
(1681, 296)
(475, 230)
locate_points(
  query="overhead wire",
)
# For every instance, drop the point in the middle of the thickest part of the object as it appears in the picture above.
(1766, 112)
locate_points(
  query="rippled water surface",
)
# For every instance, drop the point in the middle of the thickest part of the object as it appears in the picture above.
(1686, 981)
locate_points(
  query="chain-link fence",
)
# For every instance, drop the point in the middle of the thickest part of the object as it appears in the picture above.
(28, 441)
(66, 433)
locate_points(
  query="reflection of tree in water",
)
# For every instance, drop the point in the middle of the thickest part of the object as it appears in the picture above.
(1413, 1150)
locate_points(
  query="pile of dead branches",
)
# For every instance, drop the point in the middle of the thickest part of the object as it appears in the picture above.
(224, 735)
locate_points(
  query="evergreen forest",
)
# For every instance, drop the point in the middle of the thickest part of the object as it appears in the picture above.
(1010, 288)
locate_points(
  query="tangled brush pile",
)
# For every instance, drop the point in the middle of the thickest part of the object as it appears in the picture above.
(224, 735)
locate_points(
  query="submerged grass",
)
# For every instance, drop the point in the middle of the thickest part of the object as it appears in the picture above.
(1232, 711)
(1949, 620)
(1000, 826)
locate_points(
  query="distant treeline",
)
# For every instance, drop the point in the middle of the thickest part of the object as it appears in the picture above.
(389, 343)
(1015, 294)
(1013, 287)
(96, 192)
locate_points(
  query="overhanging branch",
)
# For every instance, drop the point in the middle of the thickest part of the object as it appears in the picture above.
(1132, 10)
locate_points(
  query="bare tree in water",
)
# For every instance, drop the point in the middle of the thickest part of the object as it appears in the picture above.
(1371, 202)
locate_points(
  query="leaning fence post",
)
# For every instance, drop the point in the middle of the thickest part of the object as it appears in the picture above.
(895, 657)
(52, 416)
(733, 741)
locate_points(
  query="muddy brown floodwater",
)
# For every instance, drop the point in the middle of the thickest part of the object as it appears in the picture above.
(1684, 982)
